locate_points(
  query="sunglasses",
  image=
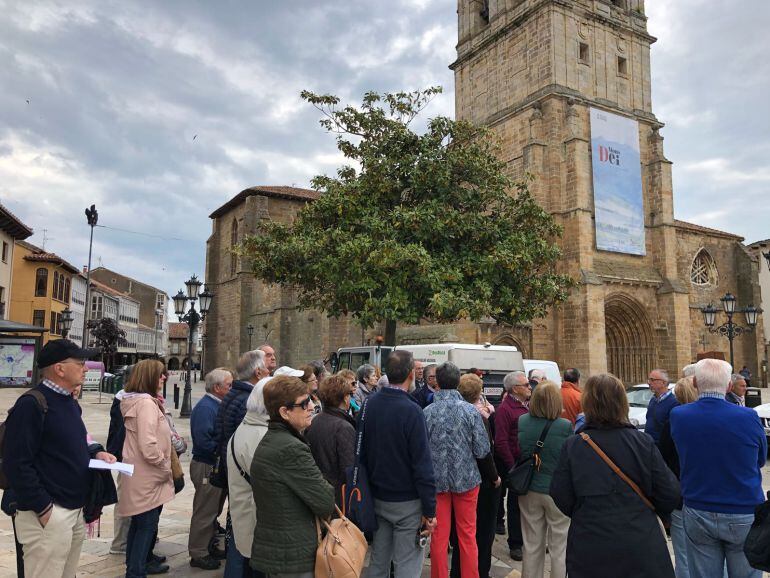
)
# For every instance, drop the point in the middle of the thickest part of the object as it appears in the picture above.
(303, 404)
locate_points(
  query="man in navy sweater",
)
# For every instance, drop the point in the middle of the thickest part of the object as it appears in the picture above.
(46, 457)
(397, 457)
(209, 499)
(722, 448)
(661, 404)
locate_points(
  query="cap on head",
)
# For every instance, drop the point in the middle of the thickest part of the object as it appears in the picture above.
(60, 349)
(290, 371)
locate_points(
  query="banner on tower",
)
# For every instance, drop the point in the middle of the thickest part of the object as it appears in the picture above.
(617, 174)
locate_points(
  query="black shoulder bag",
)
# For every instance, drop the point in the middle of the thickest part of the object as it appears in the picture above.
(520, 476)
(241, 471)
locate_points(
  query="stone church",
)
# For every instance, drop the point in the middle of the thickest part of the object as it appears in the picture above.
(566, 87)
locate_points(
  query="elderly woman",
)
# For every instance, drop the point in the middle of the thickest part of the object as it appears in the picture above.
(609, 520)
(289, 489)
(366, 376)
(240, 452)
(489, 492)
(310, 378)
(540, 518)
(350, 379)
(332, 435)
(148, 447)
(685, 393)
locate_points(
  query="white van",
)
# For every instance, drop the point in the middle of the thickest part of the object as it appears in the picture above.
(550, 368)
(495, 361)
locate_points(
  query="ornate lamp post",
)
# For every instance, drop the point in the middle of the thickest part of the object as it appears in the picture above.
(250, 331)
(730, 330)
(193, 319)
(92, 217)
(65, 322)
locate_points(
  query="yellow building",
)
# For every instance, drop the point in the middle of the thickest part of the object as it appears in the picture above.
(40, 288)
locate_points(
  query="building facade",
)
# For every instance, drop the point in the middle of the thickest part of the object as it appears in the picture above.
(41, 288)
(178, 348)
(11, 230)
(556, 82)
(78, 307)
(153, 302)
(761, 251)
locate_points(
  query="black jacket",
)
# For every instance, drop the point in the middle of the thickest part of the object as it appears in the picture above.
(612, 532)
(332, 439)
(231, 412)
(116, 434)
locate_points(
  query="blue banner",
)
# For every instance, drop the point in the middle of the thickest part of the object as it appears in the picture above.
(617, 174)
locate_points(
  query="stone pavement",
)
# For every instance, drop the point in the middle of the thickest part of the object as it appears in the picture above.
(174, 523)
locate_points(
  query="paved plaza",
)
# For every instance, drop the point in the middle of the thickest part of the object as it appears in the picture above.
(175, 520)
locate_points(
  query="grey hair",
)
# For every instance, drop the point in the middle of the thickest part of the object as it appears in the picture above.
(248, 364)
(511, 380)
(663, 374)
(536, 373)
(712, 375)
(364, 371)
(688, 370)
(256, 400)
(736, 377)
(214, 378)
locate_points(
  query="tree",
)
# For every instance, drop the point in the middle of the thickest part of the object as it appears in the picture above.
(417, 226)
(108, 336)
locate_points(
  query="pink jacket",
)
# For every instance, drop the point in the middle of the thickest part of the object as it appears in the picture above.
(148, 448)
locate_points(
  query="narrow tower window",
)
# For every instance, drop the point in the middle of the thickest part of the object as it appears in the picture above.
(583, 53)
(622, 66)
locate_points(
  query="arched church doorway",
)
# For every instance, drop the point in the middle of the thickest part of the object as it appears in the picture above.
(173, 364)
(630, 342)
(508, 339)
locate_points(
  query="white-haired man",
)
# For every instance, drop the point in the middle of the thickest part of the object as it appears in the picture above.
(208, 499)
(736, 393)
(722, 448)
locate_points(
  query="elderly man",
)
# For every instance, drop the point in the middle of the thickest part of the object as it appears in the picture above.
(722, 448)
(45, 459)
(661, 404)
(418, 374)
(209, 499)
(535, 376)
(249, 370)
(270, 360)
(736, 392)
(397, 457)
(571, 395)
(507, 451)
(457, 439)
(424, 394)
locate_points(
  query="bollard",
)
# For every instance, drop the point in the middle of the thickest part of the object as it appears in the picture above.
(176, 396)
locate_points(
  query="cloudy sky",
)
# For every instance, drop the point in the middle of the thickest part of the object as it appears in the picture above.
(159, 112)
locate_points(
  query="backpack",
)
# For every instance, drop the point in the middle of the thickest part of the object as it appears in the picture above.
(757, 545)
(38, 395)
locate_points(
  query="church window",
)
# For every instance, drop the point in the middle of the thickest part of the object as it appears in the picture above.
(704, 270)
(583, 53)
(233, 244)
(622, 66)
(484, 12)
(619, 3)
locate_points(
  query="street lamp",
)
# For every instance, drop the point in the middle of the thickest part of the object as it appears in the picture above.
(250, 331)
(65, 322)
(730, 330)
(92, 217)
(193, 319)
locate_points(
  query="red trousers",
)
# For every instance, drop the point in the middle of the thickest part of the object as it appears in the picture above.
(464, 507)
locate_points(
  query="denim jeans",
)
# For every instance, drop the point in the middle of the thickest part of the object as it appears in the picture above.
(713, 539)
(679, 542)
(141, 538)
(235, 564)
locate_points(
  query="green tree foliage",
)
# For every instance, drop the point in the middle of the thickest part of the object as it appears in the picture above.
(417, 226)
(106, 335)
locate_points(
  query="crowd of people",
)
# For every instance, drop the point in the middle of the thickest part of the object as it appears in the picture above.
(272, 447)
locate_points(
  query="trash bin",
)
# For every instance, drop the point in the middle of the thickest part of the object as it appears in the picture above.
(753, 397)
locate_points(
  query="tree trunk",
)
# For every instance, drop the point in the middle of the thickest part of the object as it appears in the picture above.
(390, 332)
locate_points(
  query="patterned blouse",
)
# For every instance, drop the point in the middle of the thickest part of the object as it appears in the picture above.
(457, 439)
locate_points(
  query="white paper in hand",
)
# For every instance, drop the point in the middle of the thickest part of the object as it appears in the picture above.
(126, 469)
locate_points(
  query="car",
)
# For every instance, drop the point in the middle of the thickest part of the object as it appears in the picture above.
(639, 397)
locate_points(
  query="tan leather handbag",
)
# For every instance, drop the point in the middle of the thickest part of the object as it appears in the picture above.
(341, 552)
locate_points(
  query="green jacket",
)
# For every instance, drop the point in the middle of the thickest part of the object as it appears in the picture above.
(289, 492)
(530, 429)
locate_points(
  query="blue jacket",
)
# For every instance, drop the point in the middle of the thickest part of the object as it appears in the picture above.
(231, 412)
(658, 411)
(46, 458)
(722, 448)
(395, 450)
(203, 421)
(457, 439)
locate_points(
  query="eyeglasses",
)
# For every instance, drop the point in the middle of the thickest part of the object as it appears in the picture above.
(303, 404)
